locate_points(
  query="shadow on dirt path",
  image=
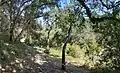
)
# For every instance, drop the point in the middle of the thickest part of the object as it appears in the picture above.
(35, 61)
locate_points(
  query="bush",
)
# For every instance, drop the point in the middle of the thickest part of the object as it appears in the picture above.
(9, 51)
(47, 51)
(92, 50)
(56, 52)
(75, 51)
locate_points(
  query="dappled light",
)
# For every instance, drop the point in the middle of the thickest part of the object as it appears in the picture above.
(59, 36)
(36, 62)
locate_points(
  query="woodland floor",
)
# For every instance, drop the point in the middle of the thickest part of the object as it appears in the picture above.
(35, 61)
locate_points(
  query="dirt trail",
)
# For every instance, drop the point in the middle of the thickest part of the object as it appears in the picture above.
(38, 62)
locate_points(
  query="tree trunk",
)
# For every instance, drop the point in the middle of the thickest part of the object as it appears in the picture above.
(12, 28)
(48, 40)
(12, 21)
(64, 47)
(18, 36)
(11, 35)
(63, 56)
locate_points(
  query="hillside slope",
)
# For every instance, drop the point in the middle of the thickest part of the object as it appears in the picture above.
(20, 58)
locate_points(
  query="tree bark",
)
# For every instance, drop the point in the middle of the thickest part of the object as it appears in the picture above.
(48, 40)
(64, 47)
(12, 21)
(18, 36)
(11, 35)
(92, 18)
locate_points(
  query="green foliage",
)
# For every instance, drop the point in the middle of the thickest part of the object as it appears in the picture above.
(8, 52)
(92, 50)
(103, 70)
(75, 51)
(110, 40)
(92, 47)
(47, 51)
(56, 52)
(110, 57)
(98, 44)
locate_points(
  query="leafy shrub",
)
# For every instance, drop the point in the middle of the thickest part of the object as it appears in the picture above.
(75, 51)
(92, 50)
(56, 52)
(111, 58)
(47, 51)
(101, 70)
(9, 52)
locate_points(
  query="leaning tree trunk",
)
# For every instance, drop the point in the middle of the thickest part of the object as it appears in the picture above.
(64, 47)
(11, 34)
(12, 21)
(48, 41)
(12, 27)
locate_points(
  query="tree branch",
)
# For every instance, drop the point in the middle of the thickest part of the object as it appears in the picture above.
(112, 6)
(92, 18)
(20, 12)
(104, 4)
(3, 2)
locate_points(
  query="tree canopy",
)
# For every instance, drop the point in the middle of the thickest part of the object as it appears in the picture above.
(84, 29)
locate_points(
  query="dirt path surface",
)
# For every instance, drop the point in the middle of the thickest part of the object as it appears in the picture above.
(38, 62)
